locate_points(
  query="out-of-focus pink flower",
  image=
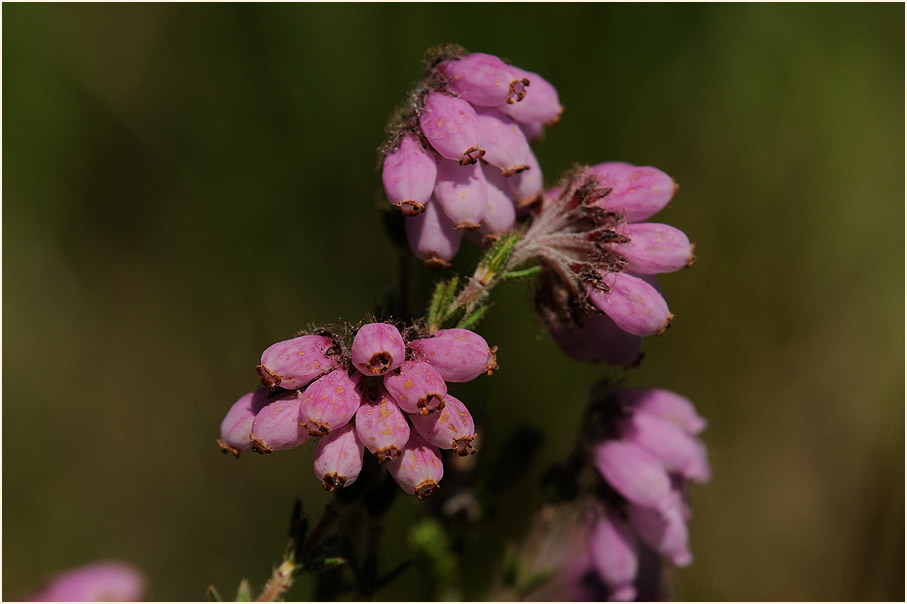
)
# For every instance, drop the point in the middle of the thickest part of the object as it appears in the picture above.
(106, 581)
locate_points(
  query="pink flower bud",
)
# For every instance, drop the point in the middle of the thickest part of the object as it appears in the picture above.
(450, 125)
(598, 339)
(294, 363)
(665, 532)
(338, 458)
(237, 425)
(501, 214)
(637, 192)
(654, 248)
(670, 444)
(276, 427)
(417, 387)
(533, 131)
(330, 402)
(483, 80)
(409, 176)
(378, 348)
(633, 304)
(432, 235)
(462, 193)
(382, 427)
(541, 103)
(505, 144)
(613, 552)
(459, 355)
(450, 428)
(107, 581)
(527, 186)
(634, 473)
(668, 405)
(419, 469)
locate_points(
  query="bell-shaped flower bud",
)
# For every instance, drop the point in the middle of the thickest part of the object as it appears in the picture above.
(634, 473)
(450, 428)
(462, 193)
(459, 355)
(484, 80)
(613, 552)
(450, 125)
(533, 131)
(598, 339)
(330, 402)
(409, 176)
(667, 405)
(236, 427)
(419, 469)
(432, 236)
(382, 427)
(417, 387)
(105, 581)
(527, 186)
(632, 303)
(654, 248)
(377, 349)
(338, 458)
(637, 192)
(505, 144)
(294, 363)
(501, 214)
(677, 450)
(665, 532)
(541, 103)
(277, 427)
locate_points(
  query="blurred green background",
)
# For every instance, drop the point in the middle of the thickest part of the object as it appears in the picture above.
(186, 184)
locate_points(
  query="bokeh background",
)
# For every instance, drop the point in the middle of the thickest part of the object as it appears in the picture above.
(185, 184)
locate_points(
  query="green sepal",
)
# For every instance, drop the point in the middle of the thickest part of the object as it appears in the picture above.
(520, 274)
(453, 318)
(244, 593)
(213, 595)
(473, 318)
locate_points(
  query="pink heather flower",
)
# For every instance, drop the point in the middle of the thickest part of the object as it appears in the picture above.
(634, 473)
(527, 186)
(450, 428)
(294, 363)
(419, 469)
(613, 552)
(634, 305)
(432, 236)
(505, 144)
(330, 402)
(382, 427)
(236, 427)
(459, 355)
(462, 193)
(637, 192)
(541, 104)
(107, 581)
(377, 349)
(667, 405)
(451, 126)
(409, 176)
(665, 532)
(338, 458)
(678, 451)
(484, 80)
(276, 427)
(501, 214)
(417, 387)
(597, 338)
(653, 248)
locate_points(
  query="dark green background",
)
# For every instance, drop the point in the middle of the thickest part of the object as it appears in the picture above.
(186, 184)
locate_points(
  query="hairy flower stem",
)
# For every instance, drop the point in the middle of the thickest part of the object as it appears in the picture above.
(280, 581)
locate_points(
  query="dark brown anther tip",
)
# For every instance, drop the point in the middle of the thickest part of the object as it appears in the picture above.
(514, 170)
(380, 362)
(666, 325)
(425, 489)
(467, 226)
(410, 208)
(391, 452)
(268, 378)
(464, 446)
(225, 448)
(332, 482)
(436, 263)
(471, 156)
(259, 446)
(492, 364)
(316, 429)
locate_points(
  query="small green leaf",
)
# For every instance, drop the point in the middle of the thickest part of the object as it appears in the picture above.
(520, 274)
(434, 308)
(322, 565)
(473, 318)
(213, 595)
(244, 593)
(453, 318)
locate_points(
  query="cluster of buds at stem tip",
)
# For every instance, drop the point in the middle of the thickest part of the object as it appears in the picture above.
(651, 455)
(380, 393)
(598, 293)
(458, 156)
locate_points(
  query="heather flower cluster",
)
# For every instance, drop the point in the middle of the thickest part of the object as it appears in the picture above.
(458, 158)
(646, 463)
(381, 394)
(599, 296)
